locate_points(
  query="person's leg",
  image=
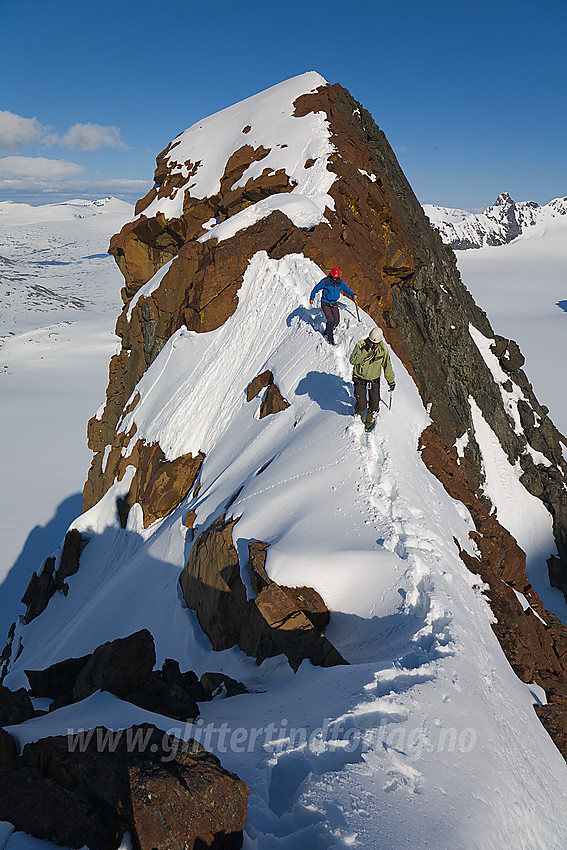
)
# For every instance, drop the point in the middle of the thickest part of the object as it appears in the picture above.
(328, 311)
(374, 395)
(335, 320)
(360, 396)
(336, 315)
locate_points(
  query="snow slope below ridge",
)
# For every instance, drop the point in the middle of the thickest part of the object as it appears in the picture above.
(59, 298)
(430, 739)
(522, 288)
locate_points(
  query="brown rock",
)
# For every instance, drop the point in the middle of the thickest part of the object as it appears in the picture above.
(55, 812)
(273, 402)
(57, 680)
(216, 683)
(15, 706)
(259, 383)
(405, 278)
(164, 698)
(167, 795)
(158, 485)
(121, 666)
(43, 586)
(271, 624)
(69, 562)
(8, 749)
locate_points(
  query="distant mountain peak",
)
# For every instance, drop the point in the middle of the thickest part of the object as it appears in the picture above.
(498, 224)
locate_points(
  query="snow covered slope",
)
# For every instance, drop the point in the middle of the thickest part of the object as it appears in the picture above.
(413, 743)
(523, 288)
(59, 295)
(499, 224)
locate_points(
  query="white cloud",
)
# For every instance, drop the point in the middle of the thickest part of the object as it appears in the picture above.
(89, 137)
(43, 189)
(15, 131)
(37, 168)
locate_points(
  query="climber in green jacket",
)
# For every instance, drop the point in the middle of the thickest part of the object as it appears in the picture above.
(369, 357)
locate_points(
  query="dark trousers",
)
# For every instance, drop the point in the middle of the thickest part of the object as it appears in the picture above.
(362, 389)
(332, 316)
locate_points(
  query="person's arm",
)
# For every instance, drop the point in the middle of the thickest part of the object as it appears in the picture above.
(346, 290)
(358, 354)
(389, 372)
(316, 289)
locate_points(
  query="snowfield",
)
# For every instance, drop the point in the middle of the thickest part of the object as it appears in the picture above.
(427, 738)
(523, 288)
(59, 300)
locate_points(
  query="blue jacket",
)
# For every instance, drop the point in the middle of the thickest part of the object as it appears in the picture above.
(332, 288)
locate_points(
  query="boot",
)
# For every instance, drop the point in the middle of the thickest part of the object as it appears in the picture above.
(370, 421)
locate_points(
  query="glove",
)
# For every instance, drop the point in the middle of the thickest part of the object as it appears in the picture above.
(311, 302)
(392, 387)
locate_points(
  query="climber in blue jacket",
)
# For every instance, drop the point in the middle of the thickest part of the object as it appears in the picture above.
(332, 287)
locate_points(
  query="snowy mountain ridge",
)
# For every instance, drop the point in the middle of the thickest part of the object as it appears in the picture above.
(428, 735)
(499, 224)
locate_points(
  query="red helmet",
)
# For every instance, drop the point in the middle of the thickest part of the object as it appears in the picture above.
(336, 272)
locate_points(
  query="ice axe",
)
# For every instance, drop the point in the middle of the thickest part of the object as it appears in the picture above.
(390, 399)
(357, 313)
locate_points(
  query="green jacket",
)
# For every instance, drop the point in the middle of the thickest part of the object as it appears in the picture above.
(368, 364)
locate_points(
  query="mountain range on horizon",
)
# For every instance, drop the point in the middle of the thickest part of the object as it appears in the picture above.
(498, 224)
(384, 613)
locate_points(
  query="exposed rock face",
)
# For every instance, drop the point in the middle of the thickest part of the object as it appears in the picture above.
(171, 693)
(158, 485)
(167, 795)
(121, 667)
(41, 587)
(272, 623)
(8, 749)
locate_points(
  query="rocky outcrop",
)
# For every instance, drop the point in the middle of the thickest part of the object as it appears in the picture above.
(44, 585)
(158, 485)
(273, 401)
(15, 706)
(170, 692)
(58, 680)
(121, 666)
(8, 749)
(406, 279)
(272, 623)
(167, 794)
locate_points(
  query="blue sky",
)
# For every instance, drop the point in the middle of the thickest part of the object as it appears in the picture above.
(471, 95)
